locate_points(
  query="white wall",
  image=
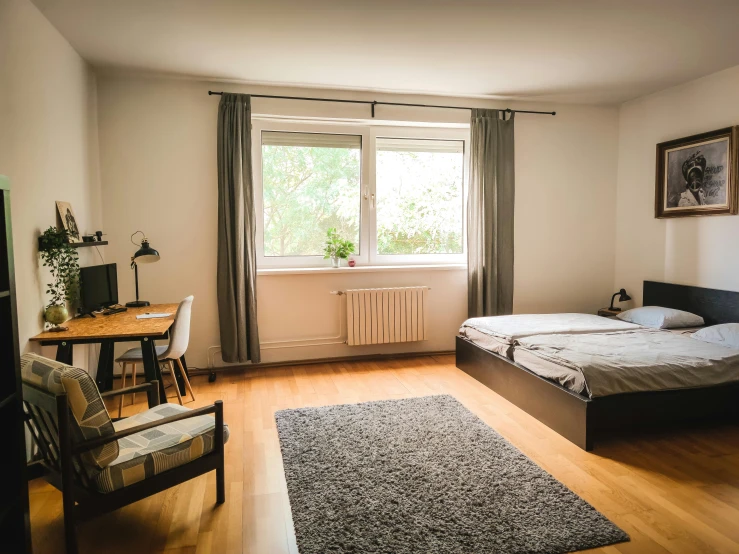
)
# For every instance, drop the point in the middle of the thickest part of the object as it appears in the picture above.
(565, 210)
(158, 167)
(699, 251)
(48, 146)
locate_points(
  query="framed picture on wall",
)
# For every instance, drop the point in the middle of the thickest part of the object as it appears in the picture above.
(69, 222)
(697, 175)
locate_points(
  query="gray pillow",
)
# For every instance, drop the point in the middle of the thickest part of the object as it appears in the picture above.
(657, 317)
(726, 334)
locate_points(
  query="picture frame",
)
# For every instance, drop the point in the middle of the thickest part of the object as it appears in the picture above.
(698, 175)
(69, 221)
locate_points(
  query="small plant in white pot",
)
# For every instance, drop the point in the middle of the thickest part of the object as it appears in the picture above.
(337, 248)
(62, 260)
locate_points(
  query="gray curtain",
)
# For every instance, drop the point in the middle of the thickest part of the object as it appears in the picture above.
(237, 263)
(490, 214)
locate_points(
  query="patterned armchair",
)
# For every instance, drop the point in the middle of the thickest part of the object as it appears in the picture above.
(101, 465)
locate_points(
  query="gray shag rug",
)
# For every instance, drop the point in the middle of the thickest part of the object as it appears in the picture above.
(424, 475)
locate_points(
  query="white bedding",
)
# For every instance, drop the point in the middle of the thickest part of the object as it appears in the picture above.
(488, 342)
(631, 361)
(569, 378)
(498, 333)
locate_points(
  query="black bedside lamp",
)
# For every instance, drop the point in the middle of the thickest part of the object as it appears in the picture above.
(622, 297)
(144, 255)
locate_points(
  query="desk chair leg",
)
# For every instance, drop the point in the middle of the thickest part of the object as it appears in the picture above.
(186, 379)
(124, 365)
(133, 377)
(174, 380)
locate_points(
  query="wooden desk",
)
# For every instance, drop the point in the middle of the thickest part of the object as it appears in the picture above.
(109, 329)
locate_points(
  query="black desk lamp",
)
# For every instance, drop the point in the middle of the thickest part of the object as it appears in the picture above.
(144, 255)
(622, 298)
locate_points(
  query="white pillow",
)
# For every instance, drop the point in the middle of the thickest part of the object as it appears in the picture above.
(726, 334)
(661, 318)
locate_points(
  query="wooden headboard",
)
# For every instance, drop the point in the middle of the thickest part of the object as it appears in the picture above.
(714, 306)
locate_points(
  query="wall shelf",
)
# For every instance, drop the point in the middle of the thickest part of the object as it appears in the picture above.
(86, 244)
(81, 244)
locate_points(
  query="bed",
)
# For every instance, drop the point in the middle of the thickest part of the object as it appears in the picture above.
(583, 418)
(498, 334)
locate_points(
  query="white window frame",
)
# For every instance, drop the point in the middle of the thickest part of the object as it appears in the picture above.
(416, 133)
(368, 255)
(286, 126)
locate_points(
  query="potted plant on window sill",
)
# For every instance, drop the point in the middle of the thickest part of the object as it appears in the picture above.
(337, 248)
(62, 260)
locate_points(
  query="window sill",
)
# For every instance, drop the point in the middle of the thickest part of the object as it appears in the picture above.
(359, 269)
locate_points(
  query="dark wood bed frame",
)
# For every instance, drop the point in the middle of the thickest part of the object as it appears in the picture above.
(583, 420)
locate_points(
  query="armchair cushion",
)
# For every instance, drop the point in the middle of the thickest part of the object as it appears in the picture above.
(159, 449)
(90, 417)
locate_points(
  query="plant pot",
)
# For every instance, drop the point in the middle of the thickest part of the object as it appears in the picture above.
(335, 261)
(56, 314)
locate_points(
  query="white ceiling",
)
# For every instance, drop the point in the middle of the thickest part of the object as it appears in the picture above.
(595, 51)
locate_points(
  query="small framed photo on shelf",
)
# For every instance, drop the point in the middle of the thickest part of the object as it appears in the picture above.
(697, 175)
(69, 222)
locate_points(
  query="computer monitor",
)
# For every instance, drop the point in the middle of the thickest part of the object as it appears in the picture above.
(99, 286)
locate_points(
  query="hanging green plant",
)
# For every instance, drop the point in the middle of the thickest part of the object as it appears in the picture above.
(63, 263)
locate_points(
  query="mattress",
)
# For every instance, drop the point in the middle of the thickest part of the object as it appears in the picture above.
(498, 333)
(569, 378)
(603, 364)
(501, 346)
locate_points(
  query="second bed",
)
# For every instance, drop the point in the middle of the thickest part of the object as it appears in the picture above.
(583, 374)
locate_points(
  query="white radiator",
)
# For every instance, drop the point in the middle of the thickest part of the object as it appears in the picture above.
(381, 316)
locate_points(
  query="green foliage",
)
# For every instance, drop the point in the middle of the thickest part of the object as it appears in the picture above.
(306, 191)
(310, 189)
(62, 260)
(419, 202)
(336, 247)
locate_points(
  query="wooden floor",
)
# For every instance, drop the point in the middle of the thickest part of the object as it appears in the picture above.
(671, 493)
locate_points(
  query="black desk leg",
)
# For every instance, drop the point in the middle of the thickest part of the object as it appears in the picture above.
(64, 353)
(104, 377)
(151, 366)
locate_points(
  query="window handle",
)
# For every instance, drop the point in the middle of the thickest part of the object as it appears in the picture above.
(366, 194)
(372, 201)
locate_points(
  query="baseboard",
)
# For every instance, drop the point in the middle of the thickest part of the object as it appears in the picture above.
(364, 358)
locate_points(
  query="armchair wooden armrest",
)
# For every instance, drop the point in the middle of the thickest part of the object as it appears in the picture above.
(215, 408)
(151, 388)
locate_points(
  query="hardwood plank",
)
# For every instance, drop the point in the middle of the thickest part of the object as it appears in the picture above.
(672, 492)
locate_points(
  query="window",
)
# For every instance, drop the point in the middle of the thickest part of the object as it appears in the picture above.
(397, 193)
(420, 200)
(310, 183)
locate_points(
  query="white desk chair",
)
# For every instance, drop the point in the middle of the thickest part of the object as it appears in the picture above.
(179, 338)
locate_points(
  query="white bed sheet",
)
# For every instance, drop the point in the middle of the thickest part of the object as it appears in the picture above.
(632, 361)
(488, 342)
(569, 378)
(498, 333)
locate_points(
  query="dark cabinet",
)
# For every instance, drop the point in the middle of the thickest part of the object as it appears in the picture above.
(15, 533)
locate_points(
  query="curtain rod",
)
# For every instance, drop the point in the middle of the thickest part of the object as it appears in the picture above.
(374, 103)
